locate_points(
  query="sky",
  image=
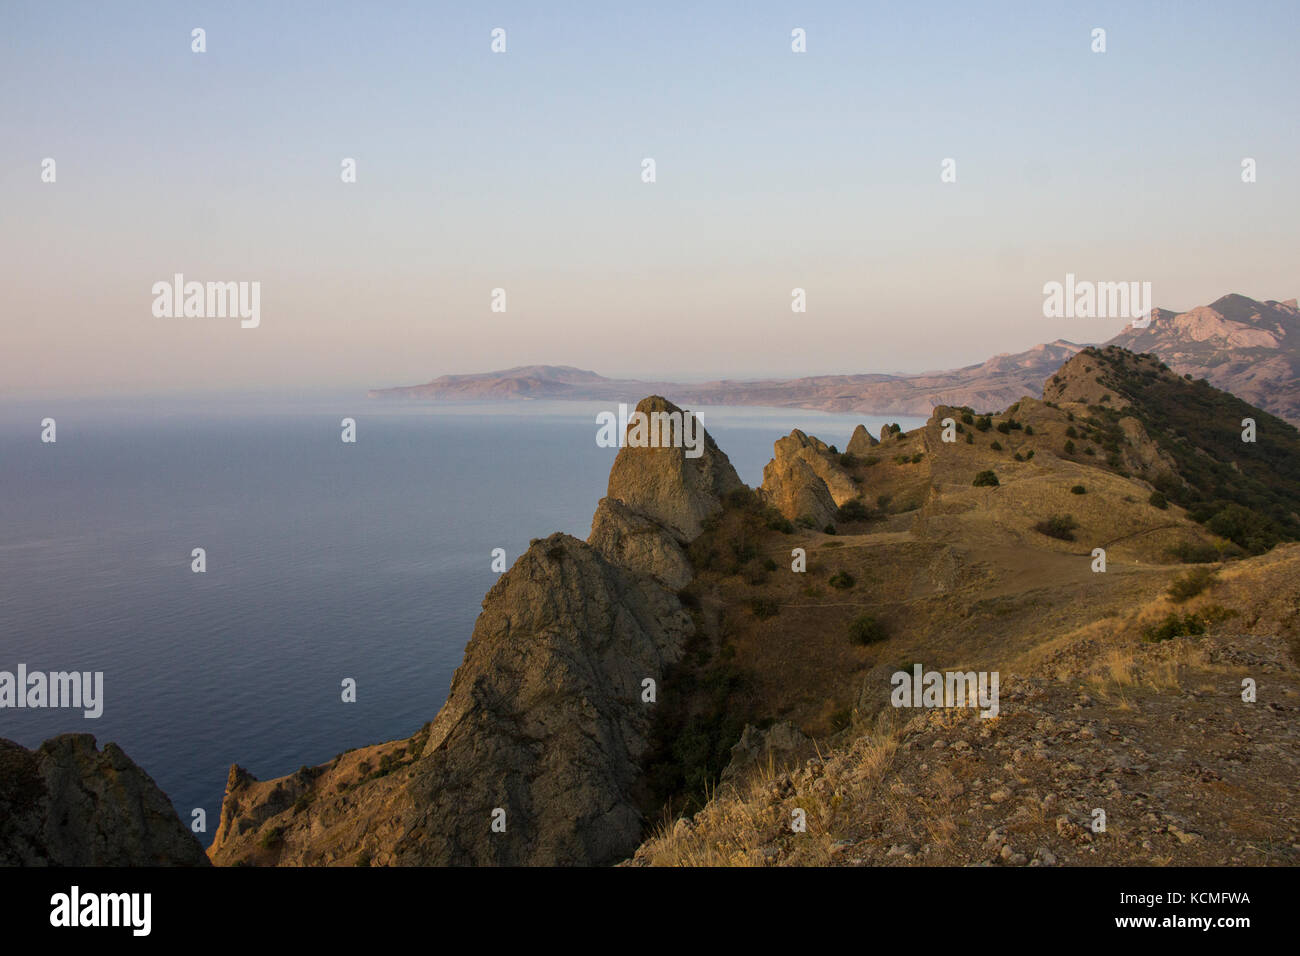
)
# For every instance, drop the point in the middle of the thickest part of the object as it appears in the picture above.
(522, 170)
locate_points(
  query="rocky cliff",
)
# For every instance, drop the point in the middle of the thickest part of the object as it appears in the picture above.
(535, 758)
(68, 804)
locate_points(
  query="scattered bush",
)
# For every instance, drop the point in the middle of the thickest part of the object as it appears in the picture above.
(1187, 586)
(848, 461)
(779, 522)
(763, 608)
(1158, 500)
(1173, 626)
(996, 446)
(841, 580)
(866, 629)
(1058, 526)
(1193, 553)
(1078, 490)
(853, 510)
(986, 479)
(272, 837)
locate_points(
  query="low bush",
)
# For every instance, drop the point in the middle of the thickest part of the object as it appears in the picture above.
(1058, 526)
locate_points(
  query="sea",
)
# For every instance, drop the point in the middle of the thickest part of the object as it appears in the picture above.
(324, 560)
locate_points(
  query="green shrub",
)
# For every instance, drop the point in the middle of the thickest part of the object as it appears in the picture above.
(1173, 626)
(1158, 500)
(1078, 490)
(853, 510)
(1188, 552)
(1058, 526)
(996, 446)
(848, 461)
(841, 580)
(986, 479)
(763, 608)
(866, 629)
(1187, 586)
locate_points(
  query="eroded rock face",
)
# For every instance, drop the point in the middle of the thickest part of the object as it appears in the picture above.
(666, 486)
(658, 500)
(544, 721)
(68, 804)
(794, 489)
(805, 480)
(634, 541)
(861, 443)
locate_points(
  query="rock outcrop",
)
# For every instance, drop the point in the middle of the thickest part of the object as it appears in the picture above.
(68, 804)
(805, 480)
(775, 749)
(544, 730)
(861, 443)
(658, 499)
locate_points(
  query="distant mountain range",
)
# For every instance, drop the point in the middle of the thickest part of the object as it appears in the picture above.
(1244, 346)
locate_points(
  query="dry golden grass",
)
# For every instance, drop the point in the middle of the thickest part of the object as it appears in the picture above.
(740, 823)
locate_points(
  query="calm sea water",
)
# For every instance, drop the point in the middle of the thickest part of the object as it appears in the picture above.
(324, 560)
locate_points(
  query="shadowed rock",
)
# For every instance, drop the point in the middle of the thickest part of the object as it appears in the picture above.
(67, 804)
(544, 721)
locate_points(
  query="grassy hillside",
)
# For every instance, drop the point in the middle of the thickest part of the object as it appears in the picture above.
(1247, 492)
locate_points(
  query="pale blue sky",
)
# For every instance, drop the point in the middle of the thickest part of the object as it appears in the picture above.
(775, 170)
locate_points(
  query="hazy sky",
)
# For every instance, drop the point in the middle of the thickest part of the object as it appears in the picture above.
(522, 170)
